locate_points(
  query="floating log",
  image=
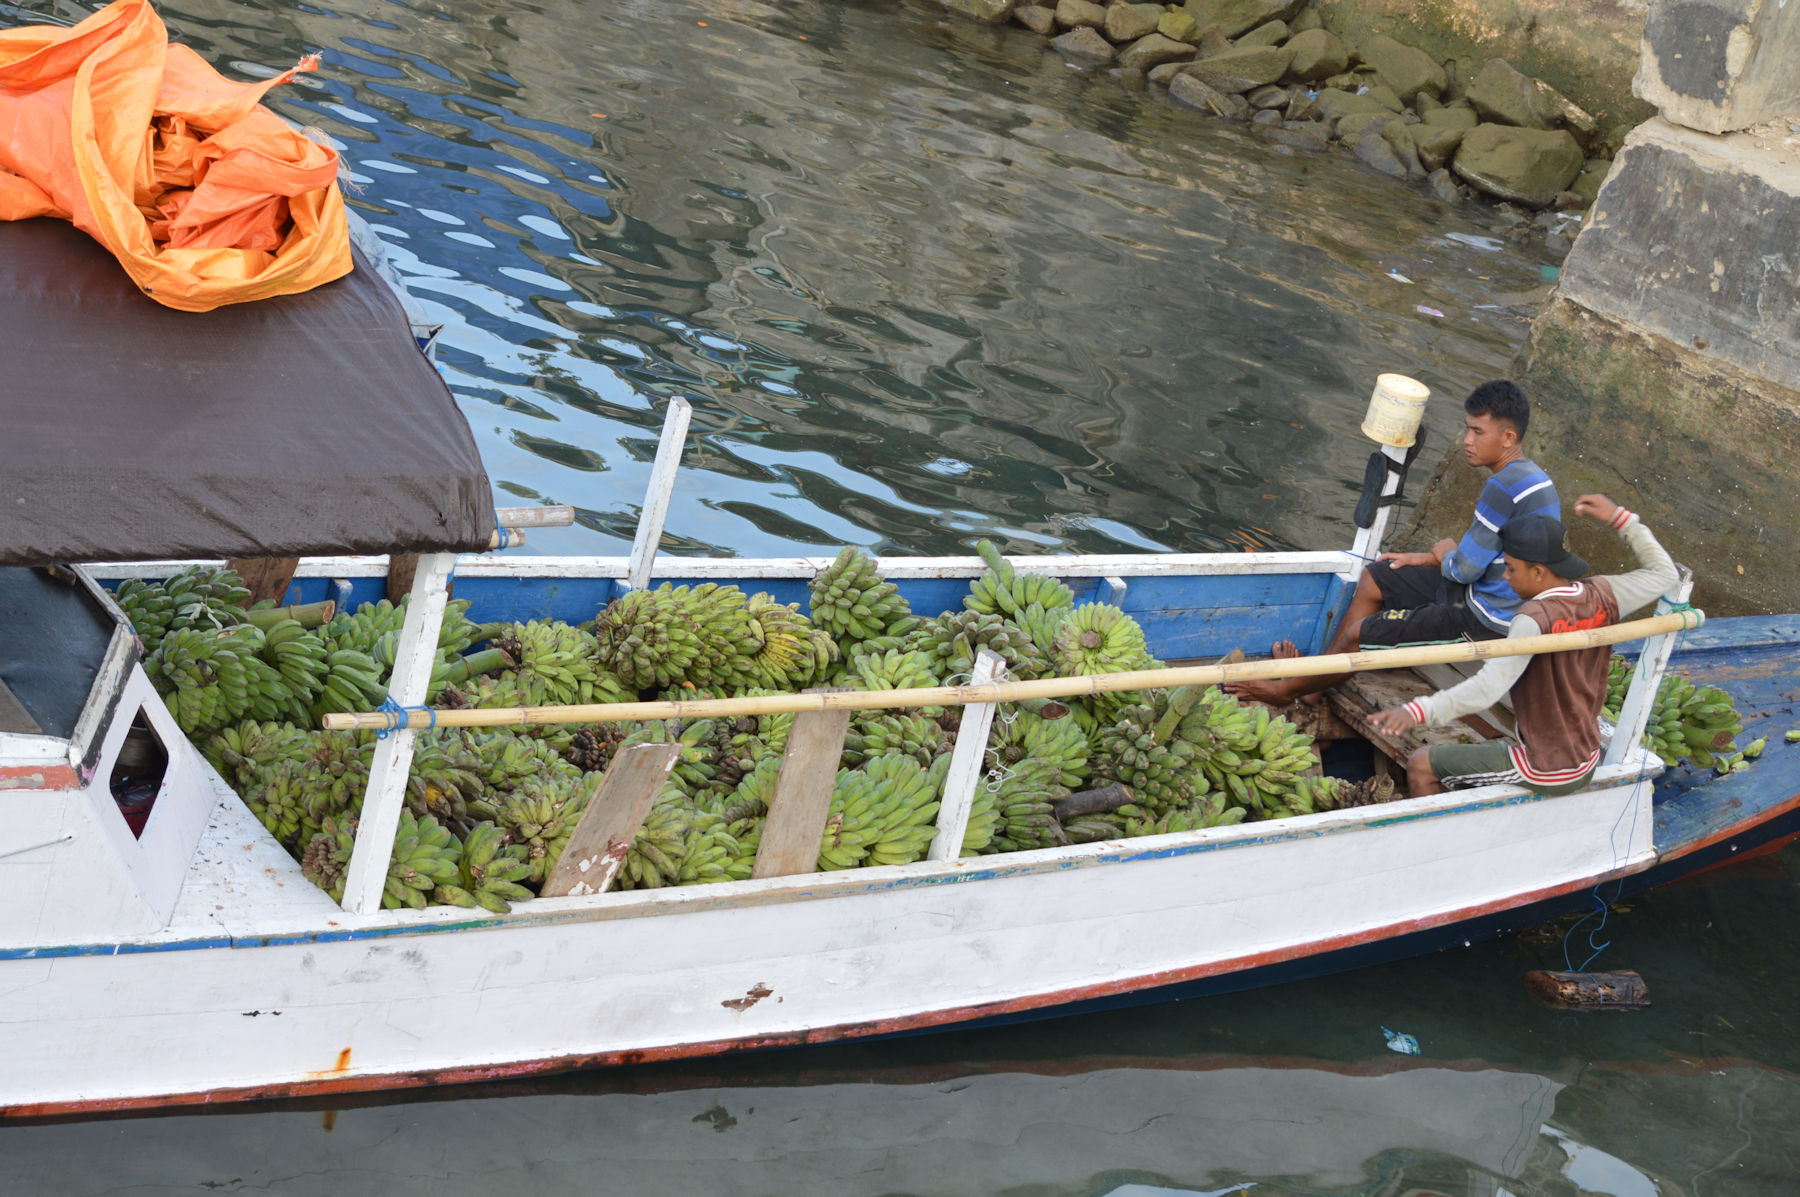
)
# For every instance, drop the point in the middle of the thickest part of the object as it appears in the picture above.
(1091, 802)
(1622, 990)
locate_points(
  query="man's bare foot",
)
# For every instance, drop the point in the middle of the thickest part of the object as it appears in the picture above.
(1272, 692)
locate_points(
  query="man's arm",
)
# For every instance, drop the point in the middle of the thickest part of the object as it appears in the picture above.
(1656, 574)
(1469, 560)
(1477, 693)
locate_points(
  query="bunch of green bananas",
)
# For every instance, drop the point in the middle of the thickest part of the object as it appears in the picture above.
(1162, 771)
(202, 597)
(1025, 797)
(908, 733)
(335, 769)
(1001, 590)
(852, 601)
(984, 822)
(540, 815)
(445, 775)
(244, 752)
(279, 804)
(423, 864)
(488, 873)
(505, 761)
(326, 857)
(1687, 722)
(1209, 811)
(750, 800)
(708, 851)
(210, 679)
(955, 638)
(1100, 638)
(299, 656)
(555, 665)
(792, 651)
(1247, 752)
(645, 637)
(1090, 828)
(655, 856)
(882, 813)
(1018, 734)
(353, 683)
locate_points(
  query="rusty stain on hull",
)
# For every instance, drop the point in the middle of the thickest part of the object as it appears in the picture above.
(753, 995)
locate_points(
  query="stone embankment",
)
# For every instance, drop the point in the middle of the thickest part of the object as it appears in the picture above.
(1276, 65)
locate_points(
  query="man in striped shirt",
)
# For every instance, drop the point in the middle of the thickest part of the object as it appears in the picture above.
(1556, 697)
(1457, 590)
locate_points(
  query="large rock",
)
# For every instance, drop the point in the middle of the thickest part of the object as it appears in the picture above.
(1378, 153)
(1237, 17)
(1152, 50)
(1526, 166)
(1195, 92)
(1720, 65)
(991, 11)
(1335, 104)
(1435, 146)
(1407, 70)
(1272, 33)
(1079, 14)
(1128, 22)
(1502, 95)
(1318, 54)
(1036, 18)
(1084, 46)
(1451, 118)
(1239, 70)
(1177, 24)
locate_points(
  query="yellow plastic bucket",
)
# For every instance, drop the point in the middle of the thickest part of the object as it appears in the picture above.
(1395, 410)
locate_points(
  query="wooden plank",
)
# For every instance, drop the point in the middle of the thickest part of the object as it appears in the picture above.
(407, 686)
(809, 768)
(607, 827)
(966, 761)
(1367, 545)
(656, 496)
(265, 577)
(1365, 693)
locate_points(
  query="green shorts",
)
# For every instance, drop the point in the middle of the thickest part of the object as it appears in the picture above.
(1465, 766)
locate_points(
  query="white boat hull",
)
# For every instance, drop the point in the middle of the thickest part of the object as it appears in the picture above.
(216, 1007)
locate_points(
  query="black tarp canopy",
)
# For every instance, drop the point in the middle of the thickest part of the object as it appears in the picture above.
(299, 425)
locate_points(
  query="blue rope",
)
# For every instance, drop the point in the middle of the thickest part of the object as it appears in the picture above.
(395, 717)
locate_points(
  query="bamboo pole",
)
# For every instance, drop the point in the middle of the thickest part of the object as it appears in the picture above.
(1047, 687)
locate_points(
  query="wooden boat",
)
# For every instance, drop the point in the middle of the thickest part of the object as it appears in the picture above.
(191, 962)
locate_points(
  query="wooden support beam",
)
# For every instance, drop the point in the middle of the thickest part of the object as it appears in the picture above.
(1646, 679)
(610, 822)
(266, 578)
(966, 761)
(656, 496)
(802, 799)
(413, 658)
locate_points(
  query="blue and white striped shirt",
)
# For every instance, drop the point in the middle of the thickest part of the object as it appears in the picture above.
(1522, 488)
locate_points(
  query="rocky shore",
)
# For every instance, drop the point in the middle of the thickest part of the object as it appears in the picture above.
(1274, 64)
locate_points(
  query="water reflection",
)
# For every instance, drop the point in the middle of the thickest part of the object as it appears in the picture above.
(924, 281)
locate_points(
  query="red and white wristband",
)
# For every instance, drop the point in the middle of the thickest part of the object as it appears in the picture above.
(1416, 710)
(1620, 518)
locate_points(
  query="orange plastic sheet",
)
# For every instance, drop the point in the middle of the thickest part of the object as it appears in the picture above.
(205, 197)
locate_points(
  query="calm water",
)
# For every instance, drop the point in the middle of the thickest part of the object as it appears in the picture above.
(925, 283)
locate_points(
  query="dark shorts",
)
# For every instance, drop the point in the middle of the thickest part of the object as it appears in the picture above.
(1465, 766)
(1420, 606)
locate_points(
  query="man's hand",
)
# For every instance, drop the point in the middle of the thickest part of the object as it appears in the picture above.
(1596, 507)
(1393, 721)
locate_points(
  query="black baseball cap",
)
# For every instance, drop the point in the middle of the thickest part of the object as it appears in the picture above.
(1541, 539)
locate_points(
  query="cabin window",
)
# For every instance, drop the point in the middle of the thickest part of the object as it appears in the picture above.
(137, 775)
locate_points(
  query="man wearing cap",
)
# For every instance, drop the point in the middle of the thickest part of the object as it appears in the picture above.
(1556, 696)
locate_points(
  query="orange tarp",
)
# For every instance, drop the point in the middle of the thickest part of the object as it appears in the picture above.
(204, 196)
